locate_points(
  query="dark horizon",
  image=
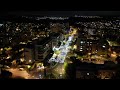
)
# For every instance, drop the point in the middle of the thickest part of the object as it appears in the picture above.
(63, 13)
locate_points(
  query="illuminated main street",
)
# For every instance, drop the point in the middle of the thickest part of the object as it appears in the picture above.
(59, 69)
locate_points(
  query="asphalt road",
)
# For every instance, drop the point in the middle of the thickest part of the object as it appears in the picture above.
(18, 73)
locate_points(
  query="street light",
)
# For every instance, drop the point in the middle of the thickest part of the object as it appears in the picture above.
(103, 46)
(1, 49)
(30, 61)
(87, 73)
(28, 66)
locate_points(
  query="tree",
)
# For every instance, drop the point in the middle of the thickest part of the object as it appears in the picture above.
(6, 74)
(70, 71)
(118, 59)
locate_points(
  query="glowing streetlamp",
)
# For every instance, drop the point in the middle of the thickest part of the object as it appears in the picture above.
(30, 61)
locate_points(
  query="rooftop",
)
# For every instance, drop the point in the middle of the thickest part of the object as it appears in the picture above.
(44, 41)
(56, 34)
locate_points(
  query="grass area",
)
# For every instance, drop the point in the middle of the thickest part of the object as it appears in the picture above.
(65, 64)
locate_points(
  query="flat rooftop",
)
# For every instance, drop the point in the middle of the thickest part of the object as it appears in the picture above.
(44, 41)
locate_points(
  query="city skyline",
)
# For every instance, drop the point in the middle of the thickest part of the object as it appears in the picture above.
(77, 48)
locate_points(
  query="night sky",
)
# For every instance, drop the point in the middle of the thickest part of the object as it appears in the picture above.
(71, 7)
(63, 13)
(59, 8)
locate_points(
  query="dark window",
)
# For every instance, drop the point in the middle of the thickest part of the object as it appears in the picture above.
(40, 52)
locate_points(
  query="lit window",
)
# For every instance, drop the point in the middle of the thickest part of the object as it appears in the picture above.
(81, 42)
(103, 46)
